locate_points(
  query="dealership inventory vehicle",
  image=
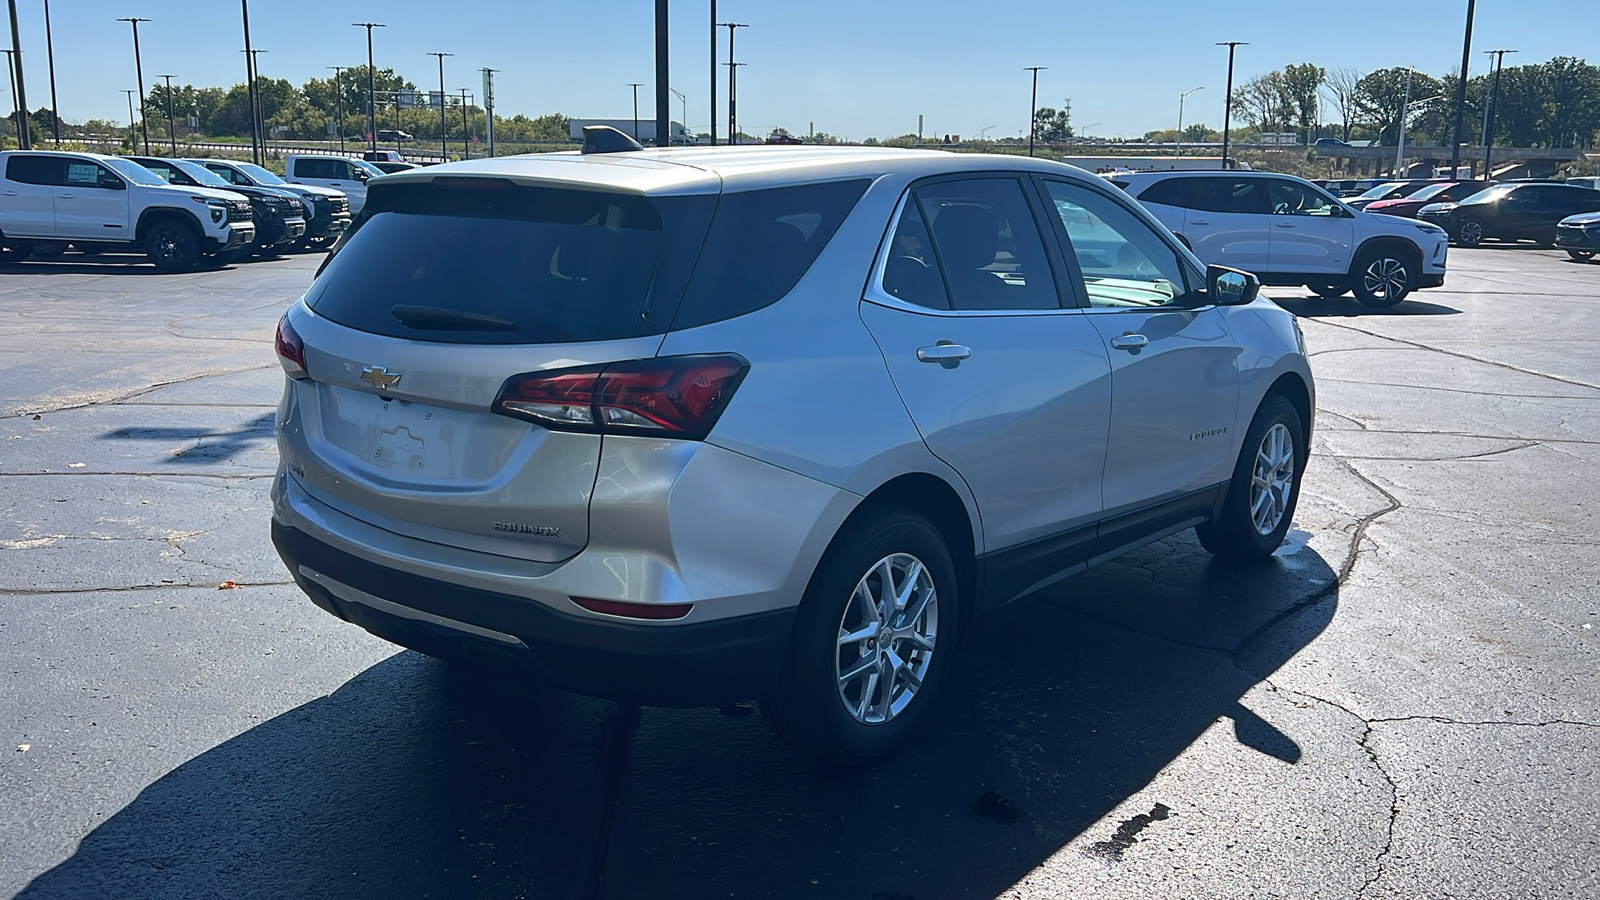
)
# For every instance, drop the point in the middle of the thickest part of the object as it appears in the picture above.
(1289, 231)
(1389, 190)
(1579, 235)
(327, 210)
(279, 216)
(108, 202)
(690, 427)
(1524, 210)
(340, 173)
(1437, 192)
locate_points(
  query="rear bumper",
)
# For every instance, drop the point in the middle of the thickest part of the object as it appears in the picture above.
(698, 664)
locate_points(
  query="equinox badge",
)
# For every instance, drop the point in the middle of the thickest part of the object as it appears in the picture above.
(379, 377)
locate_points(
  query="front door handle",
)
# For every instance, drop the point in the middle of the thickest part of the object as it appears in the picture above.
(1284, 224)
(1199, 221)
(944, 352)
(10, 193)
(1130, 342)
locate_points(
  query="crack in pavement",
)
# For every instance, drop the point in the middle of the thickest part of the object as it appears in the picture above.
(135, 475)
(1434, 387)
(1467, 356)
(187, 586)
(137, 392)
(1462, 434)
(1468, 457)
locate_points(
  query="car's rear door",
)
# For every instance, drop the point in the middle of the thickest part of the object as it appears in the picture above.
(1007, 384)
(28, 195)
(1227, 222)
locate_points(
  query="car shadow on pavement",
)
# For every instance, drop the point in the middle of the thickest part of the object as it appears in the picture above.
(1320, 307)
(101, 265)
(212, 445)
(418, 779)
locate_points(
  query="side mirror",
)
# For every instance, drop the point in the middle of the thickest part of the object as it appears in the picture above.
(1231, 287)
(111, 183)
(362, 175)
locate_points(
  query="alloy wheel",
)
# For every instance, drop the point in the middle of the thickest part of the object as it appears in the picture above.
(887, 638)
(1272, 480)
(1471, 233)
(1385, 278)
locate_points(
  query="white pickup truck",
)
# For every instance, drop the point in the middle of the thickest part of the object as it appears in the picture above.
(339, 173)
(104, 201)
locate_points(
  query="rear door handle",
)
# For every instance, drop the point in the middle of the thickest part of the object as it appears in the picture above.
(944, 352)
(1284, 224)
(1200, 222)
(10, 193)
(1130, 342)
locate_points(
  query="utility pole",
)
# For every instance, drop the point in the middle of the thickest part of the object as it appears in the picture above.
(24, 138)
(256, 155)
(138, 69)
(1033, 105)
(258, 111)
(466, 128)
(488, 108)
(372, 90)
(1405, 110)
(1488, 113)
(444, 128)
(1227, 103)
(685, 123)
(172, 123)
(338, 100)
(132, 122)
(713, 73)
(11, 83)
(50, 57)
(636, 85)
(733, 134)
(663, 100)
(1461, 91)
(1182, 97)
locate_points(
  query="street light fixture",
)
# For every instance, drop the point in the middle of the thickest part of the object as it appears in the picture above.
(1033, 105)
(172, 123)
(444, 128)
(635, 85)
(132, 122)
(372, 90)
(1227, 103)
(138, 69)
(1182, 97)
(1488, 111)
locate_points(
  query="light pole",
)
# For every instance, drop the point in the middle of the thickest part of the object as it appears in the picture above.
(1033, 105)
(663, 100)
(50, 57)
(983, 133)
(635, 85)
(372, 90)
(733, 134)
(132, 122)
(138, 69)
(1461, 92)
(488, 108)
(24, 139)
(1182, 97)
(1488, 112)
(1227, 102)
(444, 149)
(466, 127)
(1405, 108)
(685, 123)
(11, 83)
(713, 73)
(256, 155)
(338, 101)
(258, 110)
(172, 123)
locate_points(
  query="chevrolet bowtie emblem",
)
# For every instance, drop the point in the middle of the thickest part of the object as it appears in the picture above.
(379, 377)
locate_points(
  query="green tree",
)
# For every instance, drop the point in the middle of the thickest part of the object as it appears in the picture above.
(1301, 84)
(1051, 124)
(1381, 94)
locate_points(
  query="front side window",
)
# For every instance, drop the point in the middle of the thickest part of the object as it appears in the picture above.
(84, 174)
(1292, 199)
(1125, 263)
(987, 244)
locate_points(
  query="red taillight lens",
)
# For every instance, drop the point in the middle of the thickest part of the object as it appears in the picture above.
(677, 396)
(291, 351)
(635, 610)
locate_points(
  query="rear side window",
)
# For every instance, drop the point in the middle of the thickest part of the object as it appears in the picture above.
(1227, 195)
(318, 168)
(36, 169)
(1168, 192)
(759, 246)
(463, 260)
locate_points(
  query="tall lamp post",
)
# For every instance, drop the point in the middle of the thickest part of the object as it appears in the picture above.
(256, 155)
(1182, 97)
(685, 123)
(133, 124)
(1227, 102)
(338, 101)
(24, 138)
(172, 123)
(663, 76)
(444, 127)
(713, 73)
(258, 111)
(11, 82)
(1488, 111)
(635, 85)
(1405, 110)
(50, 57)
(733, 134)
(1461, 92)
(138, 69)
(372, 90)
(1033, 105)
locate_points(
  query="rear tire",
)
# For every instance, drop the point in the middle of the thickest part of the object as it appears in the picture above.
(1328, 291)
(1581, 255)
(1383, 277)
(888, 580)
(49, 249)
(1259, 509)
(172, 246)
(1471, 232)
(16, 252)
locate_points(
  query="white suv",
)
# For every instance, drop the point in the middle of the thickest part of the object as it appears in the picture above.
(1288, 231)
(86, 198)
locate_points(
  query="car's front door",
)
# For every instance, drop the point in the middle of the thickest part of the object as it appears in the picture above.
(92, 203)
(1311, 232)
(1007, 384)
(1226, 221)
(28, 195)
(1174, 366)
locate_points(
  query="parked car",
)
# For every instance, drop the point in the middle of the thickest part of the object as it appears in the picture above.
(279, 216)
(339, 173)
(1585, 181)
(1515, 211)
(1436, 192)
(632, 418)
(1348, 187)
(61, 197)
(1389, 190)
(1579, 235)
(389, 168)
(327, 210)
(1289, 231)
(392, 135)
(780, 136)
(1330, 144)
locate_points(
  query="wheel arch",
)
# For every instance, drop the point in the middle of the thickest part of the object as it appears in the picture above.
(1292, 387)
(157, 214)
(1392, 243)
(935, 499)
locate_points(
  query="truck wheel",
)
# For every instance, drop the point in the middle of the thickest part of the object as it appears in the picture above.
(49, 249)
(15, 252)
(1383, 277)
(172, 246)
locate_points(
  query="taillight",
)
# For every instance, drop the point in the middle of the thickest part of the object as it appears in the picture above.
(291, 351)
(675, 396)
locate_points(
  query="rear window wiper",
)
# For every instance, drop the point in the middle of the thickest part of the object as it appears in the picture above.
(438, 318)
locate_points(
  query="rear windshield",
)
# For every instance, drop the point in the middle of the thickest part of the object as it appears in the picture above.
(480, 260)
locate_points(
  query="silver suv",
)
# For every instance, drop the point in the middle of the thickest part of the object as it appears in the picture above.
(688, 427)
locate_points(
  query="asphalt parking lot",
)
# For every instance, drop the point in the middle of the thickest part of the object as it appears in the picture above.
(1405, 704)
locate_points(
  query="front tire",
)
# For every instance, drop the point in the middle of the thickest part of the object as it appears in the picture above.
(1471, 232)
(1259, 508)
(49, 249)
(16, 252)
(872, 642)
(1581, 255)
(1383, 277)
(172, 246)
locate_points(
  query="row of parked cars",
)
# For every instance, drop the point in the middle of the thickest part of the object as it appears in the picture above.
(181, 213)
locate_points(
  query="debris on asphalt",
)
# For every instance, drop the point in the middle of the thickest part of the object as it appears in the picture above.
(996, 808)
(229, 585)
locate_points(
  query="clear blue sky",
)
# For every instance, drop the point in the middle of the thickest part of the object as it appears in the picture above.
(855, 69)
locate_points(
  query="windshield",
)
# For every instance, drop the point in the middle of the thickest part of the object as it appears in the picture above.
(260, 174)
(1490, 194)
(200, 173)
(1433, 190)
(1381, 191)
(134, 172)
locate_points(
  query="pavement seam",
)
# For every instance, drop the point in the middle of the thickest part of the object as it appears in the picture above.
(1467, 356)
(207, 586)
(138, 392)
